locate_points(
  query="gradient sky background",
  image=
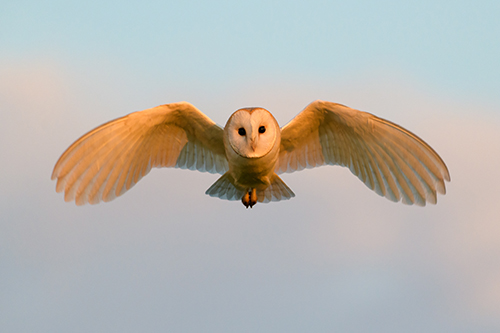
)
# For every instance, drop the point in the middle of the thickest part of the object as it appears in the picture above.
(167, 258)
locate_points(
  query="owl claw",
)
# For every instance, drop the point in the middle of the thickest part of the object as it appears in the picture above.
(250, 198)
(246, 200)
(253, 197)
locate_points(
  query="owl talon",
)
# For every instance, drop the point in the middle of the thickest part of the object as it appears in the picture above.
(250, 198)
(253, 197)
(246, 199)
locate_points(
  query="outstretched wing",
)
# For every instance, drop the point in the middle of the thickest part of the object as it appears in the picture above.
(109, 160)
(389, 159)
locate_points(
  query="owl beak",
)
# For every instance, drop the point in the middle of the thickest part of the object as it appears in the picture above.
(253, 143)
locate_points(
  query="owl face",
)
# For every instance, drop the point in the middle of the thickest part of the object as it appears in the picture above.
(252, 132)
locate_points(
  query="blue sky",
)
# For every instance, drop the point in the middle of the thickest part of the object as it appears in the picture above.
(166, 257)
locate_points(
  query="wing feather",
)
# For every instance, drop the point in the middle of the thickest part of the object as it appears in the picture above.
(112, 158)
(387, 158)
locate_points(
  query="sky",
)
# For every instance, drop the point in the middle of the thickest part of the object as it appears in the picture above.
(165, 257)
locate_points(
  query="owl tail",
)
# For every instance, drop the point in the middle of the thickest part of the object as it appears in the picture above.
(276, 191)
(224, 188)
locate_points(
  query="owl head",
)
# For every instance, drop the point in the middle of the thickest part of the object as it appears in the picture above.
(252, 132)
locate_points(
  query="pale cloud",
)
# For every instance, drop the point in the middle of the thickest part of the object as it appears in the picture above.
(336, 232)
(29, 86)
(33, 99)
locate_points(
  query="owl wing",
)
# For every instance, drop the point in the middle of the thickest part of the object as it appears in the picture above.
(109, 160)
(389, 159)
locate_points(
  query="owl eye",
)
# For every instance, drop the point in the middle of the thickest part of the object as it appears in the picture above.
(241, 131)
(262, 129)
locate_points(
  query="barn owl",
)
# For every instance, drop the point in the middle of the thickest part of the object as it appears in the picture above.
(250, 152)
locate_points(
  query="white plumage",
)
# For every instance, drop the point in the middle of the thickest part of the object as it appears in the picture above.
(250, 152)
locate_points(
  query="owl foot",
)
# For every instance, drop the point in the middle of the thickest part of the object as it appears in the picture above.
(250, 198)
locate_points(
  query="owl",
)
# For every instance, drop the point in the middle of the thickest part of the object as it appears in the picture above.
(250, 153)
